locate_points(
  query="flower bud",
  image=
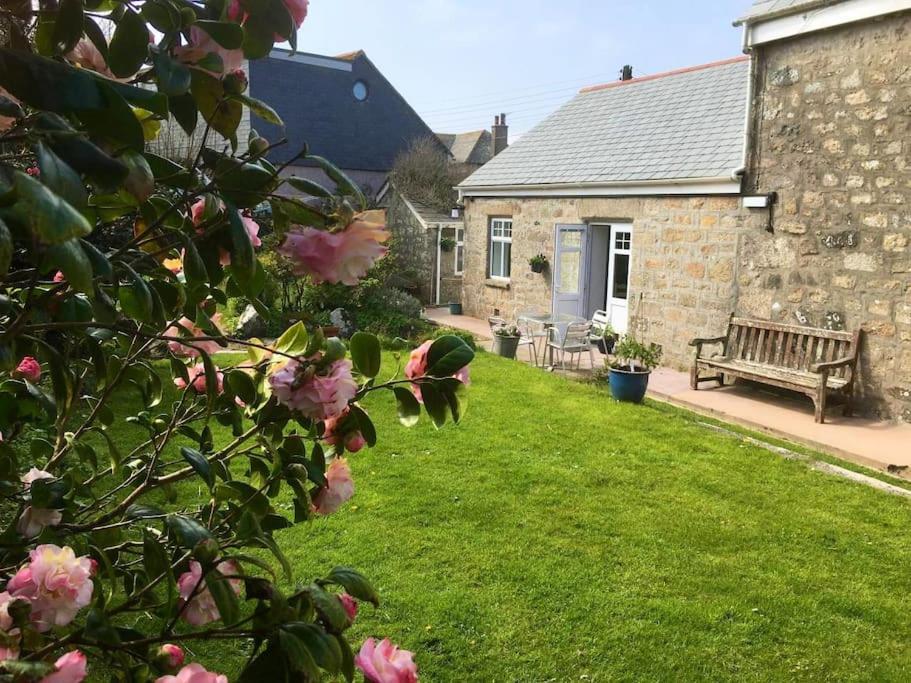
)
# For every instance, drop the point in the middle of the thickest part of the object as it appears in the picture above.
(335, 350)
(187, 17)
(259, 145)
(235, 82)
(206, 551)
(169, 657)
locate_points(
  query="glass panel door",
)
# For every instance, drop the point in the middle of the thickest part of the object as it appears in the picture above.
(569, 269)
(621, 244)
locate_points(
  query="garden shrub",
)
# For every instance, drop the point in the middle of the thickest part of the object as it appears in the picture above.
(110, 253)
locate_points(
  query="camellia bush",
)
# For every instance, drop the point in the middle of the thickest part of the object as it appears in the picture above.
(113, 263)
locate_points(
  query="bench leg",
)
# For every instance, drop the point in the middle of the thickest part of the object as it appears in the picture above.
(849, 401)
(694, 378)
(820, 403)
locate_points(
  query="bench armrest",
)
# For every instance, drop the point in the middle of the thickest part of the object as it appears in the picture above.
(699, 343)
(833, 364)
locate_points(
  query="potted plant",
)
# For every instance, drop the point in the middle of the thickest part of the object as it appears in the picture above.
(455, 309)
(608, 340)
(506, 340)
(538, 263)
(629, 371)
(447, 244)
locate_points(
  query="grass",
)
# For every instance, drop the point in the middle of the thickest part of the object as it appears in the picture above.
(558, 536)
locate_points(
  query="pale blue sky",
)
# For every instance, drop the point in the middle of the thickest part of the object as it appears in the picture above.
(458, 62)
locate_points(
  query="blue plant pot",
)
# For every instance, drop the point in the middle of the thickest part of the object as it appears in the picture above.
(627, 386)
(455, 309)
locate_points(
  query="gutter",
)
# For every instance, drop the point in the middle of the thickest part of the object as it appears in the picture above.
(738, 173)
(439, 258)
(622, 188)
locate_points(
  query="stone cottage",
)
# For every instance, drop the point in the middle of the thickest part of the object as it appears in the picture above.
(774, 185)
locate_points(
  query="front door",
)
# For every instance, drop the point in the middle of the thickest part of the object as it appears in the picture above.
(569, 269)
(618, 268)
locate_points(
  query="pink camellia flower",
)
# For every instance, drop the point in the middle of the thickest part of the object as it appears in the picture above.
(317, 396)
(342, 431)
(59, 277)
(87, 56)
(7, 122)
(33, 520)
(344, 256)
(70, 669)
(57, 583)
(193, 673)
(197, 211)
(29, 369)
(296, 8)
(350, 606)
(172, 655)
(33, 171)
(417, 367)
(197, 375)
(386, 663)
(202, 608)
(338, 489)
(191, 348)
(202, 44)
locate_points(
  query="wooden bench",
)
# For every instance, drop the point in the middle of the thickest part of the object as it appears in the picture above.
(818, 363)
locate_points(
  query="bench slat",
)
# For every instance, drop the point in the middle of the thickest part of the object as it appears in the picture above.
(814, 331)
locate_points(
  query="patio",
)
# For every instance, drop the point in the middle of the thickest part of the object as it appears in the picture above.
(872, 443)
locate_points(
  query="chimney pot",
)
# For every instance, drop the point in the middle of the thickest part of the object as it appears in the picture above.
(500, 134)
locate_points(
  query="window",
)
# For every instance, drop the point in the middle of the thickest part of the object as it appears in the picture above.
(360, 91)
(460, 251)
(500, 247)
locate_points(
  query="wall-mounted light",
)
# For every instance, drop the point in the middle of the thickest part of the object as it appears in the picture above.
(759, 201)
(456, 211)
(762, 201)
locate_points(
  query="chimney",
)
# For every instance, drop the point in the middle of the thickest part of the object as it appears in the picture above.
(500, 133)
(626, 73)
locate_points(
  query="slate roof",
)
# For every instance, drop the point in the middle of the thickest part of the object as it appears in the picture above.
(769, 9)
(314, 96)
(475, 147)
(428, 214)
(680, 125)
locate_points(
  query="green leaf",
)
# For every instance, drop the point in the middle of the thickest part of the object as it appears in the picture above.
(268, 665)
(136, 300)
(299, 212)
(347, 665)
(243, 258)
(6, 249)
(62, 179)
(137, 511)
(184, 110)
(140, 181)
(194, 267)
(228, 34)
(116, 123)
(52, 219)
(293, 341)
(242, 385)
(211, 376)
(434, 403)
(222, 114)
(130, 45)
(67, 25)
(409, 409)
(329, 607)
(70, 258)
(365, 354)
(323, 647)
(163, 16)
(346, 186)
(199, 463)
(225, 597)
(259, 37)
(94, 33)
(298, 656)
(355, 584)
(447, 356)
(83, 156)
(309, 187)
(260, 108)
(173, 77)
(187, 531)
(101, 266)
(99, 628)
(365, 425)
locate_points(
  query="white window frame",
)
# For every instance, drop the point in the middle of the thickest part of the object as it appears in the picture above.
(459, 247)
(503, 238)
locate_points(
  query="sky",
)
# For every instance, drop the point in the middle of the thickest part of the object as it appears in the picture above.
(460, 62)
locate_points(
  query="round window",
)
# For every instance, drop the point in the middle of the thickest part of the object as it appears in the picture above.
(360, 91)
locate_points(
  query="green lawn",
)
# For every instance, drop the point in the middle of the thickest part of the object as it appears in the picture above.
(558, 536)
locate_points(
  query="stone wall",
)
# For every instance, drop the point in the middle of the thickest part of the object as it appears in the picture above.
(832, 137)
(414, 246)
(683, 271)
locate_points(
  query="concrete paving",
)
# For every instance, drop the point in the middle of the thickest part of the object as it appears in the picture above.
(883, 446)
